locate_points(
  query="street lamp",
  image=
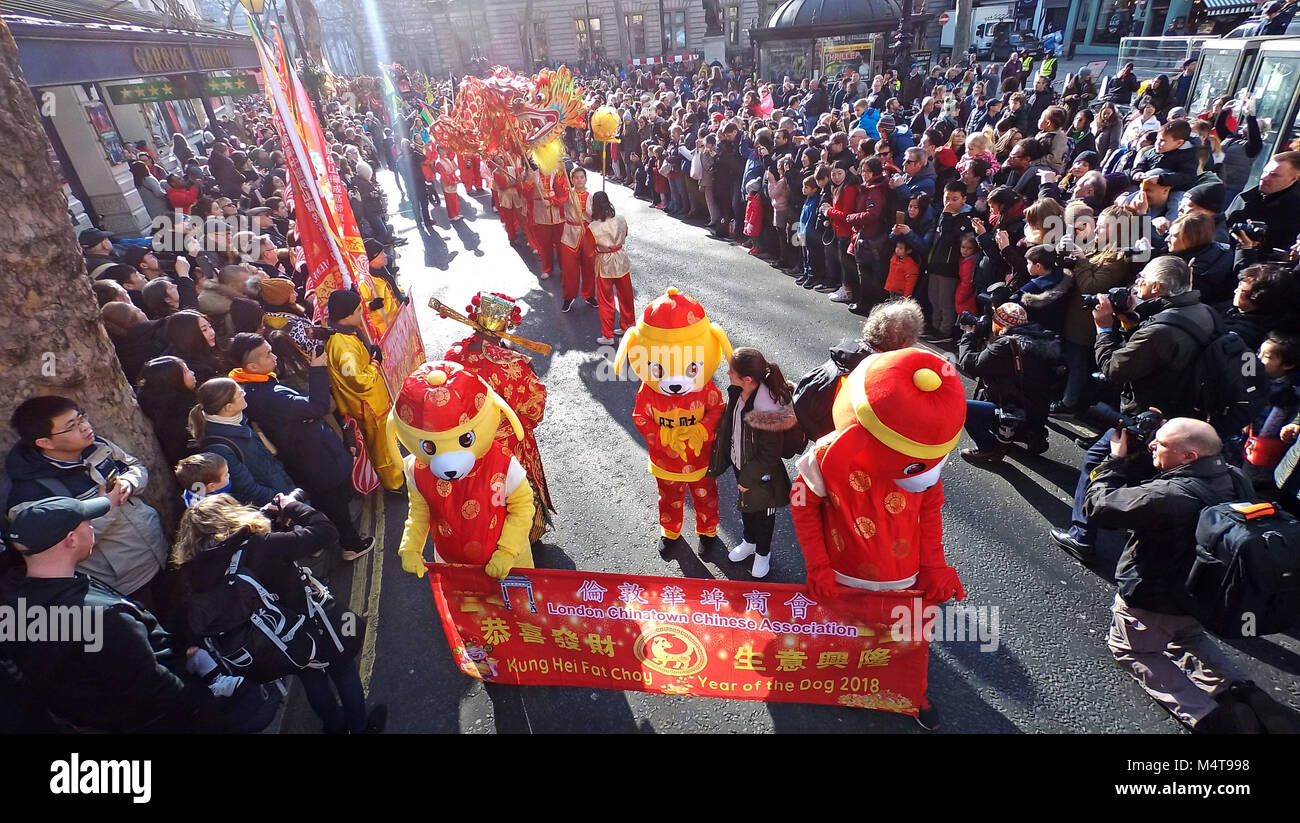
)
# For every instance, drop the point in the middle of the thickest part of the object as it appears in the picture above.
(255, 7)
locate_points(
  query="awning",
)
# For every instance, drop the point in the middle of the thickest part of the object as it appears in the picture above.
(670, 58)
(60, 43)
(1223, 8)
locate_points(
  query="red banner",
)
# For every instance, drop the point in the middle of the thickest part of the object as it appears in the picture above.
(331, 239)
(403, 347)
(684, 636)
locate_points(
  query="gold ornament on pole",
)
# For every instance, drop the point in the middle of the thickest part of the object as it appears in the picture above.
(604, 125)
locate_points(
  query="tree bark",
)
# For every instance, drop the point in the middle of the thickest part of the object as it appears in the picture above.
(53, 342)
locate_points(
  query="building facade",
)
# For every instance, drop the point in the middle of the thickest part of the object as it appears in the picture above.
(437, 36)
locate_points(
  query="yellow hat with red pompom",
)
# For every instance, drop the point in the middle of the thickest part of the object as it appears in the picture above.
(910, 400)
(442, 396)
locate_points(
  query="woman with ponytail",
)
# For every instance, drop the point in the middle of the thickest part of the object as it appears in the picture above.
(218, 425)
(750, 438)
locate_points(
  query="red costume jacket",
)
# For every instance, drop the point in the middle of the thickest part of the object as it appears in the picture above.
(510, 375)
(679, 430)
(466, 516)
(854, 521)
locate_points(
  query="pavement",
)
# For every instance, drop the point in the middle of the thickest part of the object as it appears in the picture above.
(1051, 671)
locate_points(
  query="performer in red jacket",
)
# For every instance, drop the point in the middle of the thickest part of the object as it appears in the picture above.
(447, 175)
(867, 505)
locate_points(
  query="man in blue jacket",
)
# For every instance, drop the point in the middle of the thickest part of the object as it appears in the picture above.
(310, 450)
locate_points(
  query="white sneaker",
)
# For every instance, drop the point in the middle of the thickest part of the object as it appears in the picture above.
(605, 341)
(224, 685)
(745, 549)
(841, 296)
(762, 564)
(546, 275)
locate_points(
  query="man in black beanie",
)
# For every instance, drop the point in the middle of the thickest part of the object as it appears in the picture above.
(1207, 198)
(378, 257)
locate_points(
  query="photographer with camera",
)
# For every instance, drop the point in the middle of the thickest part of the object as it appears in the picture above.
(1155, 365)
(1095, 273)
(1153, 636)
(1017, 363)
(1274, 205)
(221, 545)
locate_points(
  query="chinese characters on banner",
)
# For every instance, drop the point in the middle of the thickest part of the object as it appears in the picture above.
(403, 348)
(680, 636)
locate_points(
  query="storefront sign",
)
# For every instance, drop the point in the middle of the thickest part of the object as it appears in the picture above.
(846, 57)
(98, 54)
(683, 636)
(182, 87)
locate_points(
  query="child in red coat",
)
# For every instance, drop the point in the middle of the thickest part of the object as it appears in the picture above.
(904, 271)
(970, 256)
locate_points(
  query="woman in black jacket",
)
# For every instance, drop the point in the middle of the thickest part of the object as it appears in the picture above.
(192, 339)
(1191, 237)
(216, 527)
(166, 394)
(750, 438)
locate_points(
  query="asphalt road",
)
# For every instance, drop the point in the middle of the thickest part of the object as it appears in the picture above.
(1051, 671)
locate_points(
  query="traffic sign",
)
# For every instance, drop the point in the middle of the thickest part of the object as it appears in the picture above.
(944, 18)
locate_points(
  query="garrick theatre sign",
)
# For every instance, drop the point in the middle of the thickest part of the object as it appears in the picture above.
(53, 53)
(175, 59)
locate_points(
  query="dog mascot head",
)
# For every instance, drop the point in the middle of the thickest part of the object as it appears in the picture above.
(912, 404)
(447, 416)
(675, 348)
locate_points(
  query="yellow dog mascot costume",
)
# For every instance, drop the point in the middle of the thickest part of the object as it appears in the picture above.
(464, 486)
(675, 350)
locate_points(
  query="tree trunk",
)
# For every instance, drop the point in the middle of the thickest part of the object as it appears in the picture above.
(53, 342)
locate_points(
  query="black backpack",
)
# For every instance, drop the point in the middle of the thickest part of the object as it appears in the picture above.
(1245, 581)
(1221, 394)
(814, 395)
(247, 629)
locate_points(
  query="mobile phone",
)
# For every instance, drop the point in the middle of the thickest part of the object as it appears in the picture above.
(900, 218)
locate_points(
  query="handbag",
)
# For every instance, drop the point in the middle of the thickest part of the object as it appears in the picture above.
(1263, 451)
(364, 477)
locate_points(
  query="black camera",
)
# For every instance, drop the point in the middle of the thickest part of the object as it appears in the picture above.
(1121, 300)
(1065, 258)
(273, 509)
(1254, 230)
(1141, 427)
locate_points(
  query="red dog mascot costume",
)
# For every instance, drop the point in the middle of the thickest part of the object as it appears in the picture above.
(867, 505)
(675, 350)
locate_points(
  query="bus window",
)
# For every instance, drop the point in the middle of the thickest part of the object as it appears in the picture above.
(1274, 89)
(1215, 76)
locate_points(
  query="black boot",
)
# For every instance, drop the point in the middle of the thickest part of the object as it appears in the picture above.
(709, 542)
(666, 545)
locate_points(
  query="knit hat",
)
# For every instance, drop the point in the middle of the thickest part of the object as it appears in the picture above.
(276, 291)
(441, 397)
(373, 248)
(1010, 314)
(1092, 158)
(342, 303)
(910, 400)
(1208, 196)
(885, 120)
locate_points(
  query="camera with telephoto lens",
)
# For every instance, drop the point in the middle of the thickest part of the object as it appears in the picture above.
(1254, 230)
(1121, 300)
(1065, 258)
(1141, 427)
